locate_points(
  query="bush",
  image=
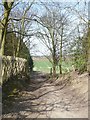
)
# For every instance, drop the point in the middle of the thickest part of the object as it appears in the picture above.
(80, 65)
(30, 63)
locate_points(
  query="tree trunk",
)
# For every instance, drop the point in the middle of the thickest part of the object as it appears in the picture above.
(54, 64)
(54, 71)
(3, 42)
(60, 69)
(4, 24)
(21, 36)
(51, 31)
(0, 35)
(18, 48)
(3, 31)
(88, 65)
(60, 63)
(13, 47)
(54, 56)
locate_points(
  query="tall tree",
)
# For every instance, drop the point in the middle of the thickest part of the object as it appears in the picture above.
(21, 22)
(88, 65)
(4, 24)
(52, 34)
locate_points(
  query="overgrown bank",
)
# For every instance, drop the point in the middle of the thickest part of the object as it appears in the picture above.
(16, 67)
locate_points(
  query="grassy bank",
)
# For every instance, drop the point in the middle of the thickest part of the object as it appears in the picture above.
(43, 65)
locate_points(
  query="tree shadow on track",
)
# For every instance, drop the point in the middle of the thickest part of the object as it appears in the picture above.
(35, 101)
(24, 104)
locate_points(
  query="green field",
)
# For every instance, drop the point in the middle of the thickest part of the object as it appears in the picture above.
(43, 65)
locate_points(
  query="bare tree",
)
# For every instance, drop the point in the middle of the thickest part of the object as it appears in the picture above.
(4, 24)
(88, 65)
(88, 42)
(83, 18)
(20, 23)
(52, 34)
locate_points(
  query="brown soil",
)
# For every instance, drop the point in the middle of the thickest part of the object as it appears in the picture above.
(66, 97)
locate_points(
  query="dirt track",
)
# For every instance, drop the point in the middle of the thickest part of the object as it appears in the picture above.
(43, 99)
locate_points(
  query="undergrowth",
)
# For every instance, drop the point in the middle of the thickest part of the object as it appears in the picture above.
(12, 87)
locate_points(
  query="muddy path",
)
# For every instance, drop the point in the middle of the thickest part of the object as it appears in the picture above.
(46, 99)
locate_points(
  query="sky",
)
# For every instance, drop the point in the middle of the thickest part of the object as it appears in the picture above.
(48, 0)
(51, 0)
(40, 48)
